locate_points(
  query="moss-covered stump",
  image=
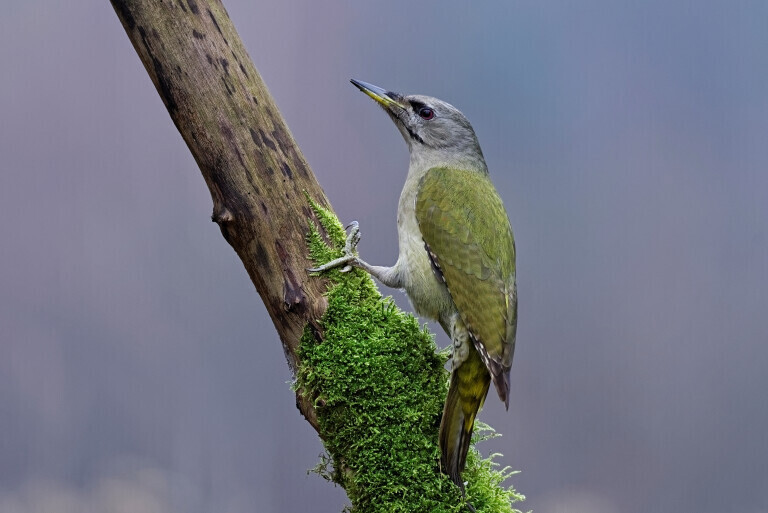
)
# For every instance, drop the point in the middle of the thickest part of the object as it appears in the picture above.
(378, 386)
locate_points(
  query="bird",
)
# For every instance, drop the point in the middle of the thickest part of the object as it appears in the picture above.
(456, 258)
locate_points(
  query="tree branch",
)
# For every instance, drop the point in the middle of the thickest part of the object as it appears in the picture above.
(256, 174)
(377, 381)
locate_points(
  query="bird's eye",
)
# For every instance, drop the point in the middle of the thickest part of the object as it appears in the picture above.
(426, 113)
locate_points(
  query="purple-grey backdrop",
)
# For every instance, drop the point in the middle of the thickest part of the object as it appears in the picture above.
(629, 140)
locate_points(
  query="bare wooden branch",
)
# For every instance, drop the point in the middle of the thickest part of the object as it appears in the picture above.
(256, 174)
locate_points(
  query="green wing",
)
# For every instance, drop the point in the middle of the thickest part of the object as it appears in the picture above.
(469, 238)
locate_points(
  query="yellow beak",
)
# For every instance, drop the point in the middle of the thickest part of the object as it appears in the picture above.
(384, 98)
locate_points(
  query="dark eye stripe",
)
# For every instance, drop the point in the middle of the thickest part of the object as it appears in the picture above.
(417, 105)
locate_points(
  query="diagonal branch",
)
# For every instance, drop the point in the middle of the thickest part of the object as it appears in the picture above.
(379, 422)
(254, 169)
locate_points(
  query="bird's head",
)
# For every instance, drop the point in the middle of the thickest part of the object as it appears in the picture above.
(429, 126)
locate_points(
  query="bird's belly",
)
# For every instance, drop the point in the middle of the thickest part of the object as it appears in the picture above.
(427, 292)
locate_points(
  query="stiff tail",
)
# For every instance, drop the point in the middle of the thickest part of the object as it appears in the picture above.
(467, 391)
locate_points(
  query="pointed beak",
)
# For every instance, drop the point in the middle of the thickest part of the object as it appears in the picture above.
(384, 98)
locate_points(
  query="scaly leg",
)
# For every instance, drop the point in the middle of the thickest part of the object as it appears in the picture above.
(454, 327)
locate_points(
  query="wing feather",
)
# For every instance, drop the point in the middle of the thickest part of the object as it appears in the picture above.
(469, 239)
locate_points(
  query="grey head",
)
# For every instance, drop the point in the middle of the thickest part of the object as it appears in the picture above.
(430, 127)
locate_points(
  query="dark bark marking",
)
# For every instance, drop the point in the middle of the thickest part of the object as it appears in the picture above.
(242, 68)
(166, 92)
(197, 35)
(276, 121)
(262, 257)
(216, 24)
(255, 101)
(230, 91)
(286, 169)
(193, 6)
(293, 294)
(250, 176)
(255, 137)
(264, 208)
(289, 146)
(281, 140)
(209, 58)
(229, 136)
(269, 142)
(294, 299)
(303, 171)
(125, 13)
(225, 64)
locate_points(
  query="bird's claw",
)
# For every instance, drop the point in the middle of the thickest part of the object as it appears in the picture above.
(353, 238)
(350, 248)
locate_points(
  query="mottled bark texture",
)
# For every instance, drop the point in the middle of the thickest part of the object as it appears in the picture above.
(255, 172)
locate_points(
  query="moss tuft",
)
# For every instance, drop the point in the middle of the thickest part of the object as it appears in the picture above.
(378, 387)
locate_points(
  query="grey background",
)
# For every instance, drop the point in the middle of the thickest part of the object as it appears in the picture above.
(138, 368)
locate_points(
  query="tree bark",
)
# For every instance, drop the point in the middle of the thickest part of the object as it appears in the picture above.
(256, 174)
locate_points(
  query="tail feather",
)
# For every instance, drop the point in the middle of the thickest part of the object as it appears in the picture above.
(466, 393)
(501, 382)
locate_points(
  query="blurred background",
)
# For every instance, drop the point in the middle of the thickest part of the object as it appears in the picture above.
(629, 140)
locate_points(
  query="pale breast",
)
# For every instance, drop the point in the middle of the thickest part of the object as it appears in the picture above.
(427, 292)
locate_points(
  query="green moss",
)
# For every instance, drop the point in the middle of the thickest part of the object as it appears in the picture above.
(378, 387)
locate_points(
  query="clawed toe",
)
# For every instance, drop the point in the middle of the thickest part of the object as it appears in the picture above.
(352, 238)
(345, 260)
(349, 252)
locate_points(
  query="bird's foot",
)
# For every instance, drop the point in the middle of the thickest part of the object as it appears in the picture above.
(349, 260)
(353, 238)
(460, 342)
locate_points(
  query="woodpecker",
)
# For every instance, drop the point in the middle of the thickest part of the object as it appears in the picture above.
(456, 260)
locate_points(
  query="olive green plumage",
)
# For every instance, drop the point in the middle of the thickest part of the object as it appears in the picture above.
(469, 239)
(466, 394)
(467, 233)
(456, 259)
